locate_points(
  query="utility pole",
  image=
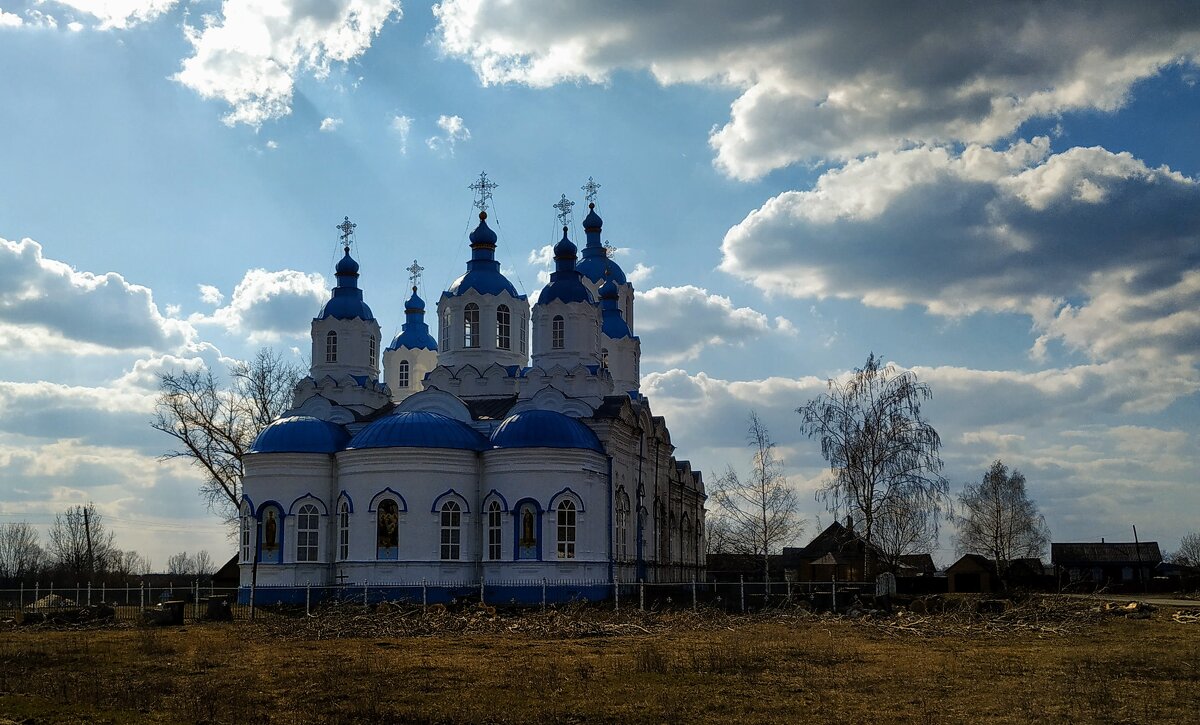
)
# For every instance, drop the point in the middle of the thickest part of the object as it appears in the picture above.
(87, 528)
(1138, 548)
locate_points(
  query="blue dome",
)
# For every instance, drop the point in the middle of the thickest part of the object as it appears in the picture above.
(483, 271)
(545, 429)
(597, 267)
(347, 300)
(609, 291)
(300, 434)
(592, 220)
(565, 249)
(414, 333)
(612, 322)
(483, 234)
(565, 283)
(418, 429)
(346, 266)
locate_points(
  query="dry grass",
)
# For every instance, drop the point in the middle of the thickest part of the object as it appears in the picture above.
(675, 668)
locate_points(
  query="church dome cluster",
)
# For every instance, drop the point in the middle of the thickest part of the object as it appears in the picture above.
(504, 441)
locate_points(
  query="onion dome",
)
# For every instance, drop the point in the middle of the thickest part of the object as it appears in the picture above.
(414, 333)
(347, 301)
(483, 271)
(418, 429)
(545, 429)
(566, 284)
(595, 264)
(301, 434)
(612, 322)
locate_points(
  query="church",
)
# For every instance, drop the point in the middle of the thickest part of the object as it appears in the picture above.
(512, 456)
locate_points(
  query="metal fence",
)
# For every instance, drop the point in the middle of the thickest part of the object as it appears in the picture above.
(191, 601)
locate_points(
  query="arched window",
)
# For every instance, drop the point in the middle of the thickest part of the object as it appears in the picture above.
(622, 525)
(247, 533)
(558, 332)
(343, 531)
(444, 341)
(471, 325)
(503, 328)
(685, 538)
(451, 531)
(672, 552)
(566, 529)
(402, 374)
(523, 334)
(331, 347)
(387, 530)
(604, 357)
(493, 523)
(371, 345)
(306, 533)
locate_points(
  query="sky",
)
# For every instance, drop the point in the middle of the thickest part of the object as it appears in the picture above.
(1001, 197)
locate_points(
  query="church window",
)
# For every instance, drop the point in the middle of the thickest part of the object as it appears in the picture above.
(524, 334)
(503, 328)
(685, 540)
(622, 525)
(331, 347)
(402, 377)
(558, 332)
(306, 533)
(445, 339)
(471, 325)
(566, 529)
(247, 532)
(494, 531)
(387, 530)
(604, 357)
(343, 531)
(373, 349)
(451, 531)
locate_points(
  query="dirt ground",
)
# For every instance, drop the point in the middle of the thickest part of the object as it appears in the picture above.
(595, 666)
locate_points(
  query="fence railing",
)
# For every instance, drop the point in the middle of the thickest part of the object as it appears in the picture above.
(191, 601)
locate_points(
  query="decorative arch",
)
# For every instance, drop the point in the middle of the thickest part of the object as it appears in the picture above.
(388, 492)
(450, 493)
(331, 346)
(496, 496)
(436, 401)
(527, 535)
(247, 500)
(308, 498)
(566, 492)
(343, 496)
(270, 539)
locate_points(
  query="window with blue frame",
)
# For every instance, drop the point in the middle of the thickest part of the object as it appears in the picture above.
(451, 531)
(331, 347)
(247, 533)
(527, 531)
(387, 530)
(343, 531)
(306, 533)
(566, 529)
(494, 532)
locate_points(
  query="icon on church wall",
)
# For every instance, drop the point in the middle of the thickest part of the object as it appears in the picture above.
(527, 545)
(387, 528)
(270, 551)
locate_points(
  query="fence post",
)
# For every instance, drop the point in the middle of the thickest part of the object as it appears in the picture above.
(742, 577)
(307, 599)
(103, 591)
(789, 591)
(253, 594)
(364, 592)
(693, 592)
(642, 594)
(143, 596)
(543, 594)
(76, 593)
(21, 605)
(481, 601)
(616, 594)
(833, 593)
(36, 596)
(424, 595)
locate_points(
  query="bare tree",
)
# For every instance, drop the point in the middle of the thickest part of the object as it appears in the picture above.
(883, 454)
(903, 528)
(717, 538)
(1189, 550)
(761, 511)
(79, 543)
(215, 427)
(181, 564)
(20, 553)
(998, 519)
(130, 563)
(203, 563)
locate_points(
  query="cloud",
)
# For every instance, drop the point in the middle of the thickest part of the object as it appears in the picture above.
(38, 293)
(10, 20)
(329, 125)
(823, 82)
(210, 295)
(453, 131)
(268, 306)
(119, 14)
(401, 125)
(682, 321)
(250, 56)
(640, 273)
(1102, 251)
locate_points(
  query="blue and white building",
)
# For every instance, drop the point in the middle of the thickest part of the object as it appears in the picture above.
(515, 447)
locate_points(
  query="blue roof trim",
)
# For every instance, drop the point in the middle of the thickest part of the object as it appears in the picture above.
(566, 491)
(567, 290)
(319, 502)
(498, 495)
(484, 281)
(613, 325)
(595, 267)
(349, 500)
(301, 434)
(544, 429)
(418, 429)
(414, 339)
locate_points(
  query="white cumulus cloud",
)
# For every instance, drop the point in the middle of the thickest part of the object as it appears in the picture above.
(401, 125)
(329, 125)
(250, 55)
(677, 323)
(268, 306)
(119, 14)
(453, 131)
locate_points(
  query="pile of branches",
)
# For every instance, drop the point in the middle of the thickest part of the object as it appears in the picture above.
(1043, 616)
(346, 620)
(1187, 616)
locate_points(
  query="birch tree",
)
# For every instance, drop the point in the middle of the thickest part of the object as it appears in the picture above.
(998, 519)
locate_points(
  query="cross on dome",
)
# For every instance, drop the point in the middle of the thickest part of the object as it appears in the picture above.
(414, 274)
(483, 191)
(609, 251)
(590, 189)
(564, 209)
(347, 228)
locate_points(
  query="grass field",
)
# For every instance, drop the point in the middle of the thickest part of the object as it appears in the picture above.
(681, 668)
